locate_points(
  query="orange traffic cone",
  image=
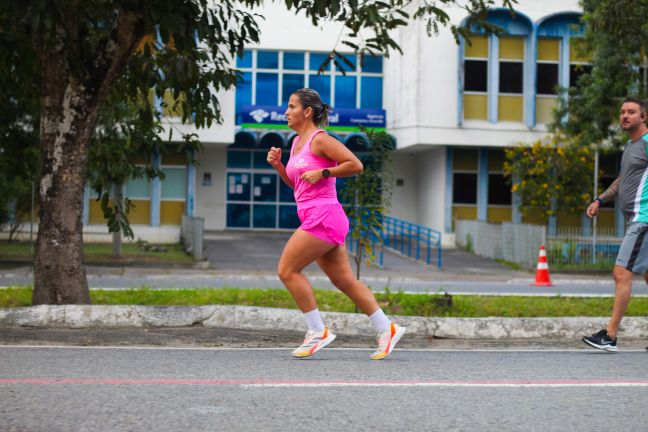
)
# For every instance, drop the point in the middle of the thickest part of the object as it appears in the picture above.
(542, 273)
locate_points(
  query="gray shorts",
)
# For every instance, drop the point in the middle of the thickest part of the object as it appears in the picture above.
(633, 253)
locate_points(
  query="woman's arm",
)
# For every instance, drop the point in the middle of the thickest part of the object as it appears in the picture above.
(326, 146)
(274, 159)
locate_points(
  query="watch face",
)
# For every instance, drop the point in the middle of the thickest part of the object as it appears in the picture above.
(326, 173)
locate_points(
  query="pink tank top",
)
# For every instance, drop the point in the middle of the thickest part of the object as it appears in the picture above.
(306, 194)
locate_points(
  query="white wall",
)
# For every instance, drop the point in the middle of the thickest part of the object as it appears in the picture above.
(431, 167)
(421, 87)
(210, 200)
(217, 134)
(403, 205)
(285, 31)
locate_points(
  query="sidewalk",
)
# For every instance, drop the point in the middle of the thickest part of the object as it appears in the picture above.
(249, 258)
(243, 259)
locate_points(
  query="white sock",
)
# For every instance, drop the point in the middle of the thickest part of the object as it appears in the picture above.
(380, 320)
(314, 319)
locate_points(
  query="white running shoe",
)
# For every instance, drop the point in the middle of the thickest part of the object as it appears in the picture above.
(313, 342)
(387, 340)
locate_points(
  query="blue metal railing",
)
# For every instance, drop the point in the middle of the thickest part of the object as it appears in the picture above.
(407, 238)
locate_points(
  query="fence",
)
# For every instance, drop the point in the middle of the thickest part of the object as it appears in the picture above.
(407, 238)
(566, 249)
(518, 243)
(413, 240)
(192, 236)
(570, 249)
(167, 234)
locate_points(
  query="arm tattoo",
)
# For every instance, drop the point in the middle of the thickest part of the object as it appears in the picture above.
(612, 190)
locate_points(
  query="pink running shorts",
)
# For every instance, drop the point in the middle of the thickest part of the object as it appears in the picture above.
(327, 222)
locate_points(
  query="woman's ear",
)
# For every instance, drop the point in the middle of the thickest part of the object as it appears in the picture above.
(308, 112)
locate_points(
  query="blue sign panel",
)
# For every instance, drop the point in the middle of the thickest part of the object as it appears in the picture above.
(263, 116)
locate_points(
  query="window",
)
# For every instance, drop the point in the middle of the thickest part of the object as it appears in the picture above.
(548, 66)
(245, 61)
(256, 197)
(270, 77)
(547, 79)
(511, 77)
(371, 92)
(322, 85)
(244, 91)
(372, 64)
(138, 188)
(317, 60)
(344, 64)
(345, 91)
(510, 104)
(266, 88)
(475, 78)
(293, 61)
(576, 71)
(464, 190)
(499, 191)
(579, 64)
(291, 83)
(267, 60)
(174, 185)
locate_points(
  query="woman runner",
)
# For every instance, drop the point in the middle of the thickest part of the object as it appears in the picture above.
(316, 159)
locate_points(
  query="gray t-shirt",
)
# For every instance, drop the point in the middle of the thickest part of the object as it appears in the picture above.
(633, 187)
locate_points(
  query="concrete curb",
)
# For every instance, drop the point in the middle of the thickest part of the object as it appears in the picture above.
(270, 319)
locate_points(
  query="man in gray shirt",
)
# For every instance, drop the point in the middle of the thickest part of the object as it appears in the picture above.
(632, 188)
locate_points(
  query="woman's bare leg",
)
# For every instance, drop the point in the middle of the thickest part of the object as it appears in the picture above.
(335, 263)
(302, 249)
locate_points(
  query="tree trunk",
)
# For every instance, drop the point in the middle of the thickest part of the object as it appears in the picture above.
(66, 129)
(69, 111)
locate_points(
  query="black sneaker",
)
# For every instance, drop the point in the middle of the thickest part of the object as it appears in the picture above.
(601, 340)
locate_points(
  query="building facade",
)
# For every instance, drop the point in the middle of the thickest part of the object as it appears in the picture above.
(451, 107)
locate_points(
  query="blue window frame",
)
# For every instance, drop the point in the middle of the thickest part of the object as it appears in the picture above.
(238, 187)
(267, 85)
(351, 58)
(371, 92)
(238, 215)
(267, 59)
(322, 85)
(265, 216)
(265, 187)
(288, 216)
(345, 91)
(316, 60)
(286, 193)
(372, 64)
(245, 61)
(238, 159)
(261, 79)
(291, 83)
(244, 91)
(293, 61)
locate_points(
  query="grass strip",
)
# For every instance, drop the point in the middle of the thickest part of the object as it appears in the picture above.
(102, 252)
(393, 303)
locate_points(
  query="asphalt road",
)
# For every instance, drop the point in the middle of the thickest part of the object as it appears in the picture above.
(260, 389)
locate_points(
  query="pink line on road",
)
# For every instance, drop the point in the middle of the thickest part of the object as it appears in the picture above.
(340, 383)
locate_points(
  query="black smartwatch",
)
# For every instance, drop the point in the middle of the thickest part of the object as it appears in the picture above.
(600, 201)
(326, 173)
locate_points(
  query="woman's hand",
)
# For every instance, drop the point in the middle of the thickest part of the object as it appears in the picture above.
(312, 176)
(274, 157)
